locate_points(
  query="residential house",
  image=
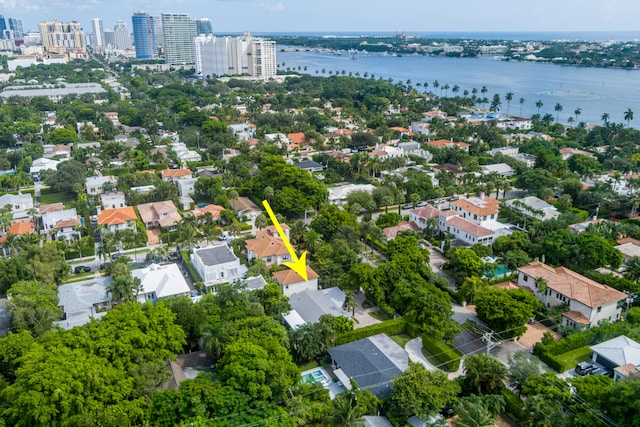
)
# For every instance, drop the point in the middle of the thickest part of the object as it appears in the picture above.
(40, 165)
(372, 362)
(534, 207)
(414, 149)
(421, 216)
(629, 247)
(17, 202)
(202, 210)
(159, 214)
(255, 283)
(567, 153)
(621, 355)
(376, 421)
(474, 220)
(184, 154)
(172, 175)
(244, 207)
(581, 227)
(310, 166)
(502, 169)
(308, 306)
(588, 301)
(95, 184)
(82, 301)
(445, 143)
(520, 123)
(61, 224)
(433, 114)
(57, 152)
(186, 186)
(217, 264)
(160, 281)
(118, 219)
(514, 152)
(338, 195)
(390, 233)
(243, 131)
(21, 228)
(112, 200)
(291, 282)
(421, 128)
(268, 246)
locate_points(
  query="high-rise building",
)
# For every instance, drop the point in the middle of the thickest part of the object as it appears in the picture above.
(98, 32)
(212, 56)
(179, 32)
(109, 38)
(204, 27)
(217, 56)
(122, 36)
(16, 26)
(56, 35)
(144, 36)
(157, 22)
(3, 25)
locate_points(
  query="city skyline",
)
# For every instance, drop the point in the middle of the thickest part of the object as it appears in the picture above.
(236, 16)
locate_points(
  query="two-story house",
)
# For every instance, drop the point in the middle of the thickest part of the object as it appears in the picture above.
(588, 301)
(17, 202)
(217, 264)
(118, 219)
(268, 246)
(95, 184)
(61, 224)
(160, 281)
(171, 175)
(159, 214)
(291, 282)
(113, 200)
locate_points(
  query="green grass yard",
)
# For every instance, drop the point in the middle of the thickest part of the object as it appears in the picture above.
(62, 197)
(571, 358)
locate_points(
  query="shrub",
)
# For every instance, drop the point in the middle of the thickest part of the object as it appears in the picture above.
(513, 404)
(448, 357)
(389, 327)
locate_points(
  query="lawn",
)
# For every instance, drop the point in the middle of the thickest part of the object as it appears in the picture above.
(62, 197)
(308, 365)
(379, 315)
(401, 339)
(571, 358)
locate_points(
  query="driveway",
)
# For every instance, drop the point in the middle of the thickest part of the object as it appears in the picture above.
(363, 315)
(436, 260)
(414, 350)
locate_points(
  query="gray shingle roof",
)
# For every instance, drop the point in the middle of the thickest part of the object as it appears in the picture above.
(310, 305)
(215, 255)
(372, 362)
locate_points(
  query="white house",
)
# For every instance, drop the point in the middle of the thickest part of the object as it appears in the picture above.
(620, 354)
(94, 184)
(113, 200)
(63, 222)
(308, 306)
(338, 195)
(291, 282)
(534, 207)
(186, 186)
(501, 169)
(42, 164)
(588, 302)
(184, 154)
(82, 301)
(17, 202)
(217, 264)
(243, 131)
(160, 281)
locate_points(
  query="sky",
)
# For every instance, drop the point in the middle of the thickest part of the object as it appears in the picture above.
(260, 16)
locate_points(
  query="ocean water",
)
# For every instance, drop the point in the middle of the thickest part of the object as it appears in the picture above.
(594, 90)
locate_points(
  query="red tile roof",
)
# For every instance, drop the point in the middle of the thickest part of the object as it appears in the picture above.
(289, 277)
(23, 227)
(297, 138)
(175, 173)
(117, 216)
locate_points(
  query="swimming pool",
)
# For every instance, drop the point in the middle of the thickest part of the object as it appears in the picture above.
(501, 270)
(316, 376)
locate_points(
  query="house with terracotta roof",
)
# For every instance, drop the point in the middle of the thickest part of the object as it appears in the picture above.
(200, 212)
(118, 219)
(445, 143)
(21, 228)
(421, 216)
(567, 153)
(268, 246)
(297, 140)
(390, 233)
(588, 301)
(291, 282)
(159, 214)
(171, 175)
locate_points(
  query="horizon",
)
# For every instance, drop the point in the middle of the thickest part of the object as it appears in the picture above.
(332, 16)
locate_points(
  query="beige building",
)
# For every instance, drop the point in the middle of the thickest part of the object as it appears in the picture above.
(62, 37)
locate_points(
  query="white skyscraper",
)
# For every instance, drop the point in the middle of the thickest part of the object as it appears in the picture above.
(98, 31)
(122, 36)
(246, 55)
(179, 32)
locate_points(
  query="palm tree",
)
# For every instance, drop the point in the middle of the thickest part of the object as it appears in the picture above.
(261, 221)
(539, 105)
(521, 101)
(632, 269)
(312, 241)
(570, 120)
(605, 118)
(455, 89)
(233, 196)
(557, 109)
(484, 373)
(484, 90)
(446, 89)
(77, 245)
(346, 412)
(577, 112)
(436, 85)
(628, 116)
(386, 201)
(508, 97)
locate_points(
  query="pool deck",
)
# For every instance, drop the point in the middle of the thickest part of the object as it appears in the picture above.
(331, 384)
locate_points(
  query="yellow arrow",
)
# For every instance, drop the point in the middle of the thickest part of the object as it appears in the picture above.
(299, 265)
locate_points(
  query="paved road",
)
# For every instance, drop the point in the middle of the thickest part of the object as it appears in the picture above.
(436, 260)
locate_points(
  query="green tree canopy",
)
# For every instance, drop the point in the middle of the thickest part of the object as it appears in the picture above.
(506, 311)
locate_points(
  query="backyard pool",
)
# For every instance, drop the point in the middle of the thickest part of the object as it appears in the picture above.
(316, 376)
(499, 271)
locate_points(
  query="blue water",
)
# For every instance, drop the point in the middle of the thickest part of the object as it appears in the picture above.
(498, 272)
(483, 35)
(594, 90)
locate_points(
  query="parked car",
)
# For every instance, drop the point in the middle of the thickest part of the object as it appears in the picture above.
(81, 269)
(586, 368)
(119, 255)
(421, 204)
(407, 206)
(103, 265)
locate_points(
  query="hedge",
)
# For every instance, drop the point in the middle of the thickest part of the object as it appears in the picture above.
(192, 271)
(448, 357)
(389, 327)
(553, 362)
(513, 405)
(592, 336)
